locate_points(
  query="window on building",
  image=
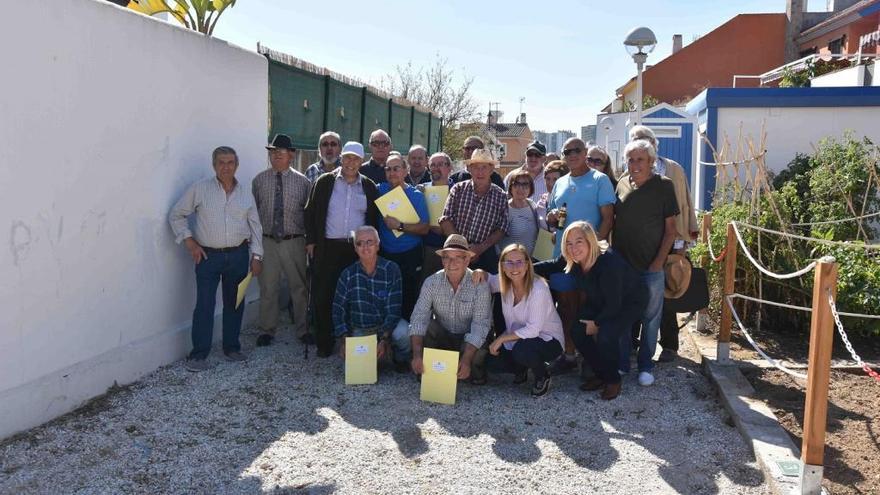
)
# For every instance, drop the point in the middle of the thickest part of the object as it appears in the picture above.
(808, 51)
(837, 46)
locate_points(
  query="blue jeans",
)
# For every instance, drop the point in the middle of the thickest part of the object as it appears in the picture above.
(400, 342)
(230, 267)
(655, 283)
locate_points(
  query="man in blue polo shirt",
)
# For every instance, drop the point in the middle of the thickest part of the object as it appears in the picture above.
(405, 249)
(582, 194)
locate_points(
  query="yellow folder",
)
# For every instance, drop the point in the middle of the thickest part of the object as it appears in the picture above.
(395, 204)
(544, 245)
(360, 360)
(436, 196)
(242, 288)
(441, 376)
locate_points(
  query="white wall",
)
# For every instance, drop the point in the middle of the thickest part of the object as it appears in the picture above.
(107, 116)
(852, 76)
(795, 130)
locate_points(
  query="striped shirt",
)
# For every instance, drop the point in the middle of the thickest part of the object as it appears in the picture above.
(363, 301)
(522, 227)
(476, 217)
(466, 311)
(294, 193)
(222, 220)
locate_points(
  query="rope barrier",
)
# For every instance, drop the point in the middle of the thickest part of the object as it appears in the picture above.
(799, 308)
(829, 222)
(748, 337)
(873, 374)
(763, 270)
(804, 238)
(742, 162)
(716, 259)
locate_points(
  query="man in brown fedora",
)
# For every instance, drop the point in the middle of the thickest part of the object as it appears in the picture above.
(281, 194)
(452, 313)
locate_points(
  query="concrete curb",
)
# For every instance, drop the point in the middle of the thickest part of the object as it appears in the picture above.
(752, 417)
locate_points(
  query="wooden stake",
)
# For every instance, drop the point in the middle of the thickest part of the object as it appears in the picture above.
(729, 285)
(705, 231)
(821, 338)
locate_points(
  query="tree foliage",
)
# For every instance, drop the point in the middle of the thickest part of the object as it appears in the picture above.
(198, 15)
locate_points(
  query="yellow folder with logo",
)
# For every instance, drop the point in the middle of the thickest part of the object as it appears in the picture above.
(395, 204)
(360, 360)
(436, 196)
(242, 288)
(441, 376)
(543, 246)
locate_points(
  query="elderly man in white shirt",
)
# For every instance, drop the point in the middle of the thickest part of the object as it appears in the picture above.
(227, 228)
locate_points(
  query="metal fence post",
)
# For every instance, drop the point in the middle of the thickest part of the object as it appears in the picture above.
(723, 352)
(705, 231)
(818, 376)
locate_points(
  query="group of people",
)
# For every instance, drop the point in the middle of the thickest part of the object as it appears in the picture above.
(352, 271)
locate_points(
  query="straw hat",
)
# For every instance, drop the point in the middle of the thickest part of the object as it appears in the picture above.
(482, 156)
(678, 276)
(456, 243)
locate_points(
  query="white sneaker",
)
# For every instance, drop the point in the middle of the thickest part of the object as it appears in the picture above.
(646, 379)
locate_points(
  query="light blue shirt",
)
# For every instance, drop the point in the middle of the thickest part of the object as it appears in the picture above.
(405, 242)
(348, 205)
(582, 196)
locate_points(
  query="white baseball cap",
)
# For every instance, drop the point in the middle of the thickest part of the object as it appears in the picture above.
(353, 148)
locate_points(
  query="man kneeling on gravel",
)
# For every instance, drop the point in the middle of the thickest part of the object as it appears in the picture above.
(367, 301)
(452, 312)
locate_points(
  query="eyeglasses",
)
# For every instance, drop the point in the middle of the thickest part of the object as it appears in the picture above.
(471, 148)
(595, 161)
(393, 169)
(329, 145)
(455, 259)
(521, 184)
(569, 151)
(365, 242)
(534, 154)
(380, 143)
(514, 263)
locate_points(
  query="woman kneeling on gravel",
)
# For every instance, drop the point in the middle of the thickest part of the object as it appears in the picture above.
(534, 331)
(615, 299)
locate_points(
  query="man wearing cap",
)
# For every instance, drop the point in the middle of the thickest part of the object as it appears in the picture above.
(534, 165)
(227, 224)
(328, 152)
(339, 203)
(471, 144)
(380, 148)
(417, 158)
(477, 209)
(367, 301)
(281, 194)
(452, 313)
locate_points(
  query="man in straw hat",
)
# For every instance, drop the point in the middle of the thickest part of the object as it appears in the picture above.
(477, 209)
(452, 312)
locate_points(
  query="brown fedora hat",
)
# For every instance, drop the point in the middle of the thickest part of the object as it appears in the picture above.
(678, 276)
(457, 243)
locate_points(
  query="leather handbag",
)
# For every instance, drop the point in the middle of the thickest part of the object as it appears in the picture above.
(695, 298)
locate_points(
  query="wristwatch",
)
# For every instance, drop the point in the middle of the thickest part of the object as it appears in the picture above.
(400, 229)
(257, 257)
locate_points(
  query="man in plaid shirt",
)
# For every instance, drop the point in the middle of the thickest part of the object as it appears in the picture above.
(477, 209)
(367, 300)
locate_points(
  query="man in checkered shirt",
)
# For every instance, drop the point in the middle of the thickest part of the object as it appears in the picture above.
(477, 209)
(368, 298)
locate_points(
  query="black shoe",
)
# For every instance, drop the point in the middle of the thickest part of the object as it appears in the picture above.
(323, 353)
(541, 387)
(265, 340)
(521, 377)
(479, 380)
(562, 366)
(307, 339)
(401, 367)
(667, 356)
(591, 384)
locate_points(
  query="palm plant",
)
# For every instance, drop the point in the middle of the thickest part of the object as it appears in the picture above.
(198, 15)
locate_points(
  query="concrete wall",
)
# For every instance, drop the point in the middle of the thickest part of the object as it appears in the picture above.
(853, 76)
(107, 117)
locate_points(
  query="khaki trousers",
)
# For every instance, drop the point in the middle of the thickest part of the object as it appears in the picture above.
(288, 257)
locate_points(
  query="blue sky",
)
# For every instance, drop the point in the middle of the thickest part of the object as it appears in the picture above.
(565, 58)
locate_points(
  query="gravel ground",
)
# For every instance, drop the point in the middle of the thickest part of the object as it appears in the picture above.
(282, 424)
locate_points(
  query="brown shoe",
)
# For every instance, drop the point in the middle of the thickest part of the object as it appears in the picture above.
(611, 391)
(592, 383)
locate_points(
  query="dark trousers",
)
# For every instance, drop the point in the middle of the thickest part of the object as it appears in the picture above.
(230, 268)
(437, 337)
(410, 263)
(669, 330)
(602, 351)
(329, 263)
(533, 354)
(487, 261)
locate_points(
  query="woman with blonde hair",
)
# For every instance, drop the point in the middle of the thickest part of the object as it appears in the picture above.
(613, 298)
(533, 336)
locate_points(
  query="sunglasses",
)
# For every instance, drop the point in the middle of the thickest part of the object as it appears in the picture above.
(569, 151)
(595, 161)
(471, 148)
(457, 259)
(380, 143)
(366, 242)
(521, 184)
(329, 145)
(513, 263)
(534, 154)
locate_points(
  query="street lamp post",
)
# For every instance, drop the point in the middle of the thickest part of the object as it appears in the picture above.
(639, 43)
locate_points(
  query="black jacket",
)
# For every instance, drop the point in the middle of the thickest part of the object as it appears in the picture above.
(319, 200)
